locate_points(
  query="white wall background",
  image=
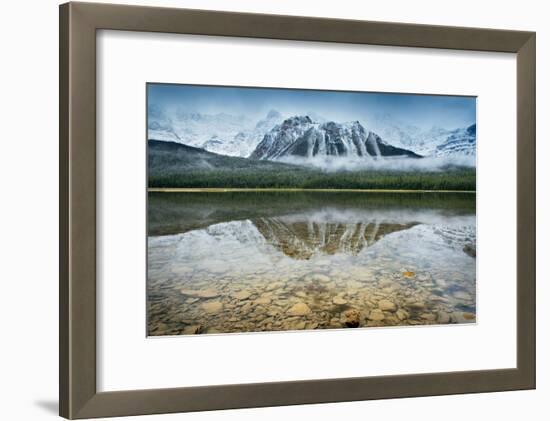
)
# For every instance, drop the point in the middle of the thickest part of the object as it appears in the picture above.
(28, 220)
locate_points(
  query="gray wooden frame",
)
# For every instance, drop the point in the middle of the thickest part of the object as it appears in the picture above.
(77, 122)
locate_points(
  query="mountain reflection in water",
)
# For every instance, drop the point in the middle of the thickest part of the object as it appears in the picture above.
(302, 236)
(261, 261)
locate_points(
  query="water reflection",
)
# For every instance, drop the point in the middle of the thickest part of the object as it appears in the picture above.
(305, 235)
(238, 262)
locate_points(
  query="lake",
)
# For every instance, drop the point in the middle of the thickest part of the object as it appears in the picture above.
(291, 260)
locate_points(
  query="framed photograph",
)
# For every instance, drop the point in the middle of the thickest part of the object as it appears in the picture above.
(261, 210)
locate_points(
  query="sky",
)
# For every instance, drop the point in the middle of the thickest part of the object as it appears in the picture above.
(423, 111)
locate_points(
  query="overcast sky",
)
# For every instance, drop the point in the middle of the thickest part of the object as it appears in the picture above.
(424, 111)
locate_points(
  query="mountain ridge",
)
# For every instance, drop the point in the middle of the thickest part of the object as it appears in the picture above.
(300, 136)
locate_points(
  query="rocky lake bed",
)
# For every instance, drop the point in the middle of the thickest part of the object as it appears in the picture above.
(329, 264)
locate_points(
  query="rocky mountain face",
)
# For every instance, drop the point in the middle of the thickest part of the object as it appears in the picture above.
(274, 137)
(460, 141)
(300, 136)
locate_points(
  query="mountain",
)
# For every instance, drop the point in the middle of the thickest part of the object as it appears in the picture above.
(245, 141)
(300, 136)
(195, 128)
(395, 132)
(459, 142)
(422, 142)
(435, 141)
(221, 133)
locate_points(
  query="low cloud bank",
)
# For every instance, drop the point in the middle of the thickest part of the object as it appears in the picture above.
(334, 164)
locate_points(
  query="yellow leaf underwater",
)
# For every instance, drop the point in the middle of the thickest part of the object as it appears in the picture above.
(408, 274)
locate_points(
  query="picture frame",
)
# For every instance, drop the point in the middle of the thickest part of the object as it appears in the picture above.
(78, 393)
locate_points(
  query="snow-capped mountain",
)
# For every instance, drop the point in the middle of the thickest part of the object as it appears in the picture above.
(311, 135)
(459, 142)
(195, 129)
(220, 133)
(300, 136)
(393, 131)
(244, 142)
(429, 142)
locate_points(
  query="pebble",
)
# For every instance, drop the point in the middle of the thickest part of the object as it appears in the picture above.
(462, 317)
(192, 330)
(274, 285)
(299, 309)
(441, 283)
(469, 316)
(202, 293)
(376, 315)
(318, 277)
(262, 300)
(299, 325)
(416, 305)
(338, 300)
(462, 295)
(212, 306)
(387, 305)
(242, 295)
(402, 314)
(443, 317)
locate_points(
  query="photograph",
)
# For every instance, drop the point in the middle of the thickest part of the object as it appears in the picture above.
(275, 209)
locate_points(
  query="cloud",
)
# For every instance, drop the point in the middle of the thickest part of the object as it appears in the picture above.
(334, 164)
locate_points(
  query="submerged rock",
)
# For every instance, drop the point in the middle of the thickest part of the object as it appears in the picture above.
(387, 305)
(192, 330)
(274, 285)
(262, 300)
(462, 317)
(469, 316)
(212, 306)
(201, 293)
(339, 300)
(376, 315)
(428, 316)
(319, 277)
(352, 318)
(416, 305)
(402, 314)
(462, 295)
(299, 325)
(443, 317)
(299, 309)
(242, 295)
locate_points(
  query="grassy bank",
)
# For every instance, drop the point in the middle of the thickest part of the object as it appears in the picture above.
(305, 178)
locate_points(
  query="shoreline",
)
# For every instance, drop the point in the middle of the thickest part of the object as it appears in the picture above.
(237, 189)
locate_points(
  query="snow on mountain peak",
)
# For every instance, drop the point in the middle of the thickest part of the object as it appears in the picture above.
(299, 136)
(274, 136)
